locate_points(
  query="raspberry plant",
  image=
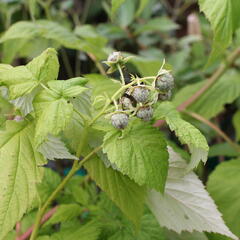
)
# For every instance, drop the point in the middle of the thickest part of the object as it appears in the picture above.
(138, 182)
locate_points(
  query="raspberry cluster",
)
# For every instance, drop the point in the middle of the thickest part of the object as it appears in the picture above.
(138, 99)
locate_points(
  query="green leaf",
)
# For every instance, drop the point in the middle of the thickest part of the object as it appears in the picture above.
(223, 186)
(32, 7)
(22, 80)
(69, 88)
(223, 149)
(223, 16)
(53, 148)
(53, 112)
(139, 152)
(115, 6)
(213, 100)
(141, 7)
(186, 133)
(65, 212)
(161, 24)
(119, 188)
(236, 124)
(19, 174)
(89, 231)
(186, 205)
(51, 180)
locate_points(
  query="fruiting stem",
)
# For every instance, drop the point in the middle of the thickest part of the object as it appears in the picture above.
(121, 74)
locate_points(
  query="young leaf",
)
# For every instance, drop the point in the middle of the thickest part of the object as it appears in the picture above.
(53, 148)
(223, 30)
(119, 188)
(22, 80)
(186, 133)
(186, 205)
(141, 153)
(19, 174)
(65, 212)
(53, 112)
(223, 186)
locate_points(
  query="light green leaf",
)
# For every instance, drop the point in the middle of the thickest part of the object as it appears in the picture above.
(19, 174)
(53, 112)
(45, 67)
(22, 80)
(213, 100)
(186, 205)
(186, 133)
(139, 152)
(223, 16)
(65, 212)
(115, 6)
(32, 7)
(69, 88)
(51, 180)
(236, 124)
(89, 231)
(119, 188)
(53, 148)
(223, 149)
(223, 186)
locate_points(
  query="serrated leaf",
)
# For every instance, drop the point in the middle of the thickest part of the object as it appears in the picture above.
(119, 188)
(115, 6)
(53, 148)
(22, 80)
(215, 12)
(53, 112)
(223, 186)
(186, 133)
(186, 205)
(19, 174)
(65, 212)
(213, 100)
(139, 152)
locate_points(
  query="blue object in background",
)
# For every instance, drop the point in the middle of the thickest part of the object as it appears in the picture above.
(81, 172)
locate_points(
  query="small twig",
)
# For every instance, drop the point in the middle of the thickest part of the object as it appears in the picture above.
(28, 233)
(215, 128)
(98, 65)
(121, 74)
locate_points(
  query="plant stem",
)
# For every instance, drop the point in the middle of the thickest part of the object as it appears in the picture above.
(121, 74)
(215, 128)
(67, 63)
(76, 166)
(98, 65)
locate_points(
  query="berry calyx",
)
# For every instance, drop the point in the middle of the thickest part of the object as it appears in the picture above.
(119, 120)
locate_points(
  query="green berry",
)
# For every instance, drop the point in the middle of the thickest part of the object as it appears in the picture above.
(140, 94)
(145, 113)
(165, 96)
(119, 120)
(164, 82)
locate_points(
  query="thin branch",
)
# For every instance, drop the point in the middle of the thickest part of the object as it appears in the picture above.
(28, 233)
(215, 128)
(98, 65)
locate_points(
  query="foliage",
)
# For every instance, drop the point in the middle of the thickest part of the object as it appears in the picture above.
(84, 86)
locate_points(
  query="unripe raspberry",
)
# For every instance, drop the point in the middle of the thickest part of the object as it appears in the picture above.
(145, 113)
(165, 96)
(119, 120)
(114, 57)
(164, 82)
(140, 94)
(126, 103)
